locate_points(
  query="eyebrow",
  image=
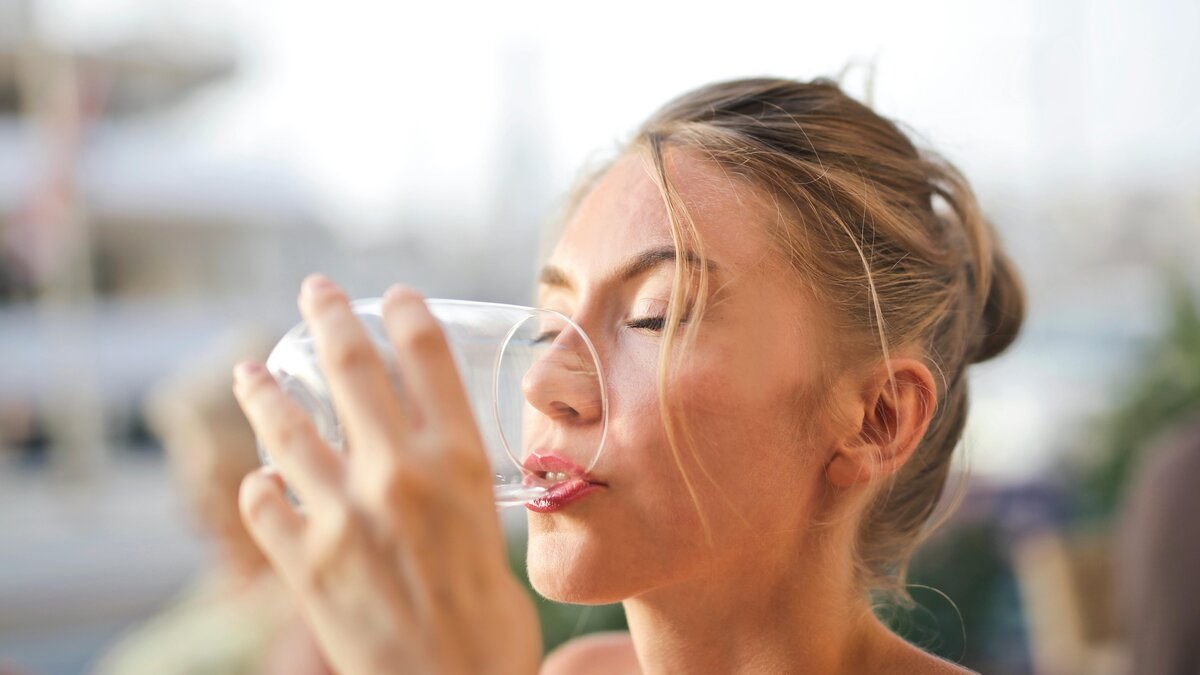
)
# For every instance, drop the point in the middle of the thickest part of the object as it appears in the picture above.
(638, 265)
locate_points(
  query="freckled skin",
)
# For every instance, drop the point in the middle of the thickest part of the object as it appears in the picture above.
(756, 359)
(765, 582)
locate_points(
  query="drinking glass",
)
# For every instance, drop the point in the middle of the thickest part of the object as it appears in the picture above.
(532, 377)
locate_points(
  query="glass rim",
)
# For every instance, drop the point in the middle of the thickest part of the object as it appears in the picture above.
(587, 341)
(376, 305)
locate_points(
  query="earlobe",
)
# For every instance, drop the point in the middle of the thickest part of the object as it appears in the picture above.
(894, 413)
(846, 469)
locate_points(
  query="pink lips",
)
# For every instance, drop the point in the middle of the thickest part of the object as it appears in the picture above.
(558, 494)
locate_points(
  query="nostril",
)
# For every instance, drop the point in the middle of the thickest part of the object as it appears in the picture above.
(558, 409)
(562, 392)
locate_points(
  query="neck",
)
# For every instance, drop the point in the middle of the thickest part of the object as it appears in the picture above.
(780, 611)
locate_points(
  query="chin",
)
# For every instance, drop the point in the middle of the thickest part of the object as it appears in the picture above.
(571, 567)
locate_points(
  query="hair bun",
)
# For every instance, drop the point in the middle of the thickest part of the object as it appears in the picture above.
(1003, 311)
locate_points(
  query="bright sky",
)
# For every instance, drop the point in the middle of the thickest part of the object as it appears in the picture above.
(395, 107)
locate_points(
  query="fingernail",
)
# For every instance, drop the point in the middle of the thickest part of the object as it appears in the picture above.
(248, 369)
(316, 283)
(400, 292)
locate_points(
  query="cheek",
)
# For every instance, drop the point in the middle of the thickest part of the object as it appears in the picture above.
(752, 430)
(645, 531)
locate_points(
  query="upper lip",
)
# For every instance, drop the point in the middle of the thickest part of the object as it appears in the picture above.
(542, 462)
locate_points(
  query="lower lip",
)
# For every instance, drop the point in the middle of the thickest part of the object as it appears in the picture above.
(561, 495)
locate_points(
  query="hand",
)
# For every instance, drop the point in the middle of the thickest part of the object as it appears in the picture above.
(398, 559)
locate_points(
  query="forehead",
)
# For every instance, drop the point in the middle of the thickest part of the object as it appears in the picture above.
(624, 214)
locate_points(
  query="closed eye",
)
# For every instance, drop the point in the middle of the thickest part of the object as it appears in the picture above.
(650, 323)
(653, 324)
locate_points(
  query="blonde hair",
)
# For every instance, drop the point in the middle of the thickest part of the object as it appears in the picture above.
(889, 238)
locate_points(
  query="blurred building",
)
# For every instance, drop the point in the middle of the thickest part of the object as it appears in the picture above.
(123, 248)
(104, 227)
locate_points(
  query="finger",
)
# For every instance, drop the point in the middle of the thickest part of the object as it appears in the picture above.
(273, 524)
(425, 361)
(364, 397)
(310, 467)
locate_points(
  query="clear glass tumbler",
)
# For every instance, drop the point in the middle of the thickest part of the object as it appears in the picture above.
(532, 376)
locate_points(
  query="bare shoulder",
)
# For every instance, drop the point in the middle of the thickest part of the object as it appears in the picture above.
(607, 653)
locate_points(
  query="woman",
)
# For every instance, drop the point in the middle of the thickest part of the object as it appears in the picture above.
(785, 295)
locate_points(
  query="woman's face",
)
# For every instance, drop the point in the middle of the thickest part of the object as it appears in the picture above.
(747, 390)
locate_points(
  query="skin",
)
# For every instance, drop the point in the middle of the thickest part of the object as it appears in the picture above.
(399, 561)
(797, 448)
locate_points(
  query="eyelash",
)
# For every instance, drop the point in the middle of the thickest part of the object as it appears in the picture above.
(650, 323)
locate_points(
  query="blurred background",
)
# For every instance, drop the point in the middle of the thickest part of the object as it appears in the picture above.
(171, 169)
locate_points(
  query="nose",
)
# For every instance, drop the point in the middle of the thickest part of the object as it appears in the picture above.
(563, 383)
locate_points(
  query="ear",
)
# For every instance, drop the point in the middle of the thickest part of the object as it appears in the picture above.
(893, 416)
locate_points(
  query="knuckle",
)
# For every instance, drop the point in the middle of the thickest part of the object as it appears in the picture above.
(334, 538)
(343, 523)
(379, 489)
(315, 576)
(421, 335)
(291, 416)
(290, 429)
(402, 486)
(254, 499)
(418, 485)
(351, 354)
(460, 445)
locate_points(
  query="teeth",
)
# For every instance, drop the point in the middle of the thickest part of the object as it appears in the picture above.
(556, 475)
